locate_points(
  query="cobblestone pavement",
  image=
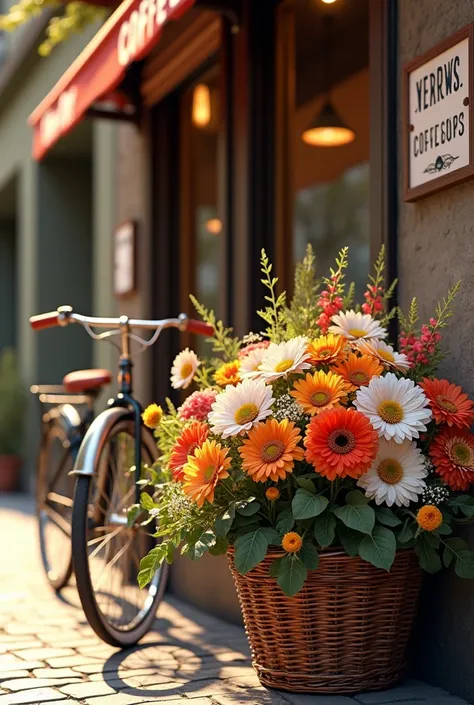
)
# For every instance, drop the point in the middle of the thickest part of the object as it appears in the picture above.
(48, 653)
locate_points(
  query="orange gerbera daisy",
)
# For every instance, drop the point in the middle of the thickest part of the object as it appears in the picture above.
(228, 373)
(452, 453)
(357, 371)
(448, 402)
(270, 451)
(209, 464)
(292, 542)
(429, 518)
(340, 443)
(326, 349)
(319, 391)
(191, 438)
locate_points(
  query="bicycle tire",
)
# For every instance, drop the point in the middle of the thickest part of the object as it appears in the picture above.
(101, 623)
(57, 560)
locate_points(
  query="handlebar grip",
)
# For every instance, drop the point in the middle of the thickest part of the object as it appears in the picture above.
(44, 320)
(199, 327)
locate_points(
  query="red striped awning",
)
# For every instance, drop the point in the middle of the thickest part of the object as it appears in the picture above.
(127, 36)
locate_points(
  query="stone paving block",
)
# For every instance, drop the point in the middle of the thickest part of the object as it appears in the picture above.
(126, 674)
(20, 673)
(131, 698)
(43, 653)
(19, 628)
(93, 689)
(70, 661)
(16, 645)
(56, 673)
(447, 700)
(21, 666)
(32, 697)
(249, 697)
(408, 690)
(7, 660)
(25, 683)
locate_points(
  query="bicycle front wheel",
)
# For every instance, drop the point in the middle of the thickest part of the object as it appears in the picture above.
(54, 491)
(106, 551)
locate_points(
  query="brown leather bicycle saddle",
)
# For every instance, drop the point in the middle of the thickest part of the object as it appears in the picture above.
(86, 380)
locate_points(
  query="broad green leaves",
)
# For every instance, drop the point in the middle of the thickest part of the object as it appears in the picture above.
(150, 564)
(309, 555)
(285, 521)
(379, 548)
(325, 529)
(463, 557)
(250, 550)
(464, 503)
(427, 554)
(291, 574)
(356, 513)
(306, 505)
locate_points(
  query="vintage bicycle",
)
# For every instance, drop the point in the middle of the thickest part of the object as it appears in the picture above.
(106, 550)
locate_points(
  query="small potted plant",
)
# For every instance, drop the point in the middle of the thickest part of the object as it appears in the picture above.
(330, 468)
(12, 411)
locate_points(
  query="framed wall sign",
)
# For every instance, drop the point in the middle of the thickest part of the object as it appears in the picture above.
(125, 259)
(437, 116)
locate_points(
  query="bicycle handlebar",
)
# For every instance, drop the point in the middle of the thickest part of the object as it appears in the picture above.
(65, 315)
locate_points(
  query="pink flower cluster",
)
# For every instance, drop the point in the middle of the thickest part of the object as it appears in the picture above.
(197, 406)
(420, 350)
(330, 303)
(253, 346)
(373, 300)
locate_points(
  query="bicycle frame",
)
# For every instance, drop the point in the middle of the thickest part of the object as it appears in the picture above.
(122, 326)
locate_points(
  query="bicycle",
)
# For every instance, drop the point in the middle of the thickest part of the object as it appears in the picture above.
(106, 549)
(63, 427)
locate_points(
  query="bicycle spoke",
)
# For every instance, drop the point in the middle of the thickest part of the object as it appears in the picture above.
(59, 499)
(57, 519)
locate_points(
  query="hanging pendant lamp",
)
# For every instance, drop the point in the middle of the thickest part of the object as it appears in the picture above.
(327, 129)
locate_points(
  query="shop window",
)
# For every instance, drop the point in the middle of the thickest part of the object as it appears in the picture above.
(330, 133)
(202, 225)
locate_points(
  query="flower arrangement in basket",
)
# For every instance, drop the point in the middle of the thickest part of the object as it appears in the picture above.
(312, 443)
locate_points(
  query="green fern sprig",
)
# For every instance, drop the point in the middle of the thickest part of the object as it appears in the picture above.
(274, 314)
(222, 340)
(302, 314)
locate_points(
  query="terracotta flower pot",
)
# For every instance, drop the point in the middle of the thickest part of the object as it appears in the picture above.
(346, 631)
(10, 466)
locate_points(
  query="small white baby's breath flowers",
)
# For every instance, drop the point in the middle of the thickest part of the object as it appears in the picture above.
(436, 494)
(285, 407)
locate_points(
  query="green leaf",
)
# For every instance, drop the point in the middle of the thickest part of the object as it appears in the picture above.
(350, 539)
(325, 529)
(285, 521)
(220, 547)
(275, 567)
(379, 548)
(428, 556)
(385, 516)
(291, 575)
(240, 521)
(150, 564)
(464, 557)
(306, 505)
(407, 533)
(309, 555)
(223, 524)
(464, 503)
(272, 535)
(203, 544)
(248, 509)
(306, 484)
(431, 539)
(444, 530)
(147, 502)
(250, 550)
(356, 513)
(132, 514)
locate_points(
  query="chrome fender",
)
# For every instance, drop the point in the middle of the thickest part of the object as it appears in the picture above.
(68, 414)
(88, 455)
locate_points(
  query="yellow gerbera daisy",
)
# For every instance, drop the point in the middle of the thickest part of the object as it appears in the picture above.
(209, 464)
(357, 371)
(270, 451)
(326, 349)
(228, 373)
(319, 391)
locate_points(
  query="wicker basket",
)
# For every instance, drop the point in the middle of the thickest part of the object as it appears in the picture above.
(346, 631)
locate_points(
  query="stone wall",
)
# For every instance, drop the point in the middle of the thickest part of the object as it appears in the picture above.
(436, 248)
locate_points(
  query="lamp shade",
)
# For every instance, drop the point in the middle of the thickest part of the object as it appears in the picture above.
(327, 129)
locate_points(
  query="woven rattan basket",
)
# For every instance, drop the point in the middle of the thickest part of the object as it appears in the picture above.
(346, 631)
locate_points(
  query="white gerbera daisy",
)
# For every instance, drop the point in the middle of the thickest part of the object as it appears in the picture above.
(385, 353)
(396, 475)
(249, 365)
(239, 408)
(396, 408)
(284, 358)
(184, 368)
(352, 325)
